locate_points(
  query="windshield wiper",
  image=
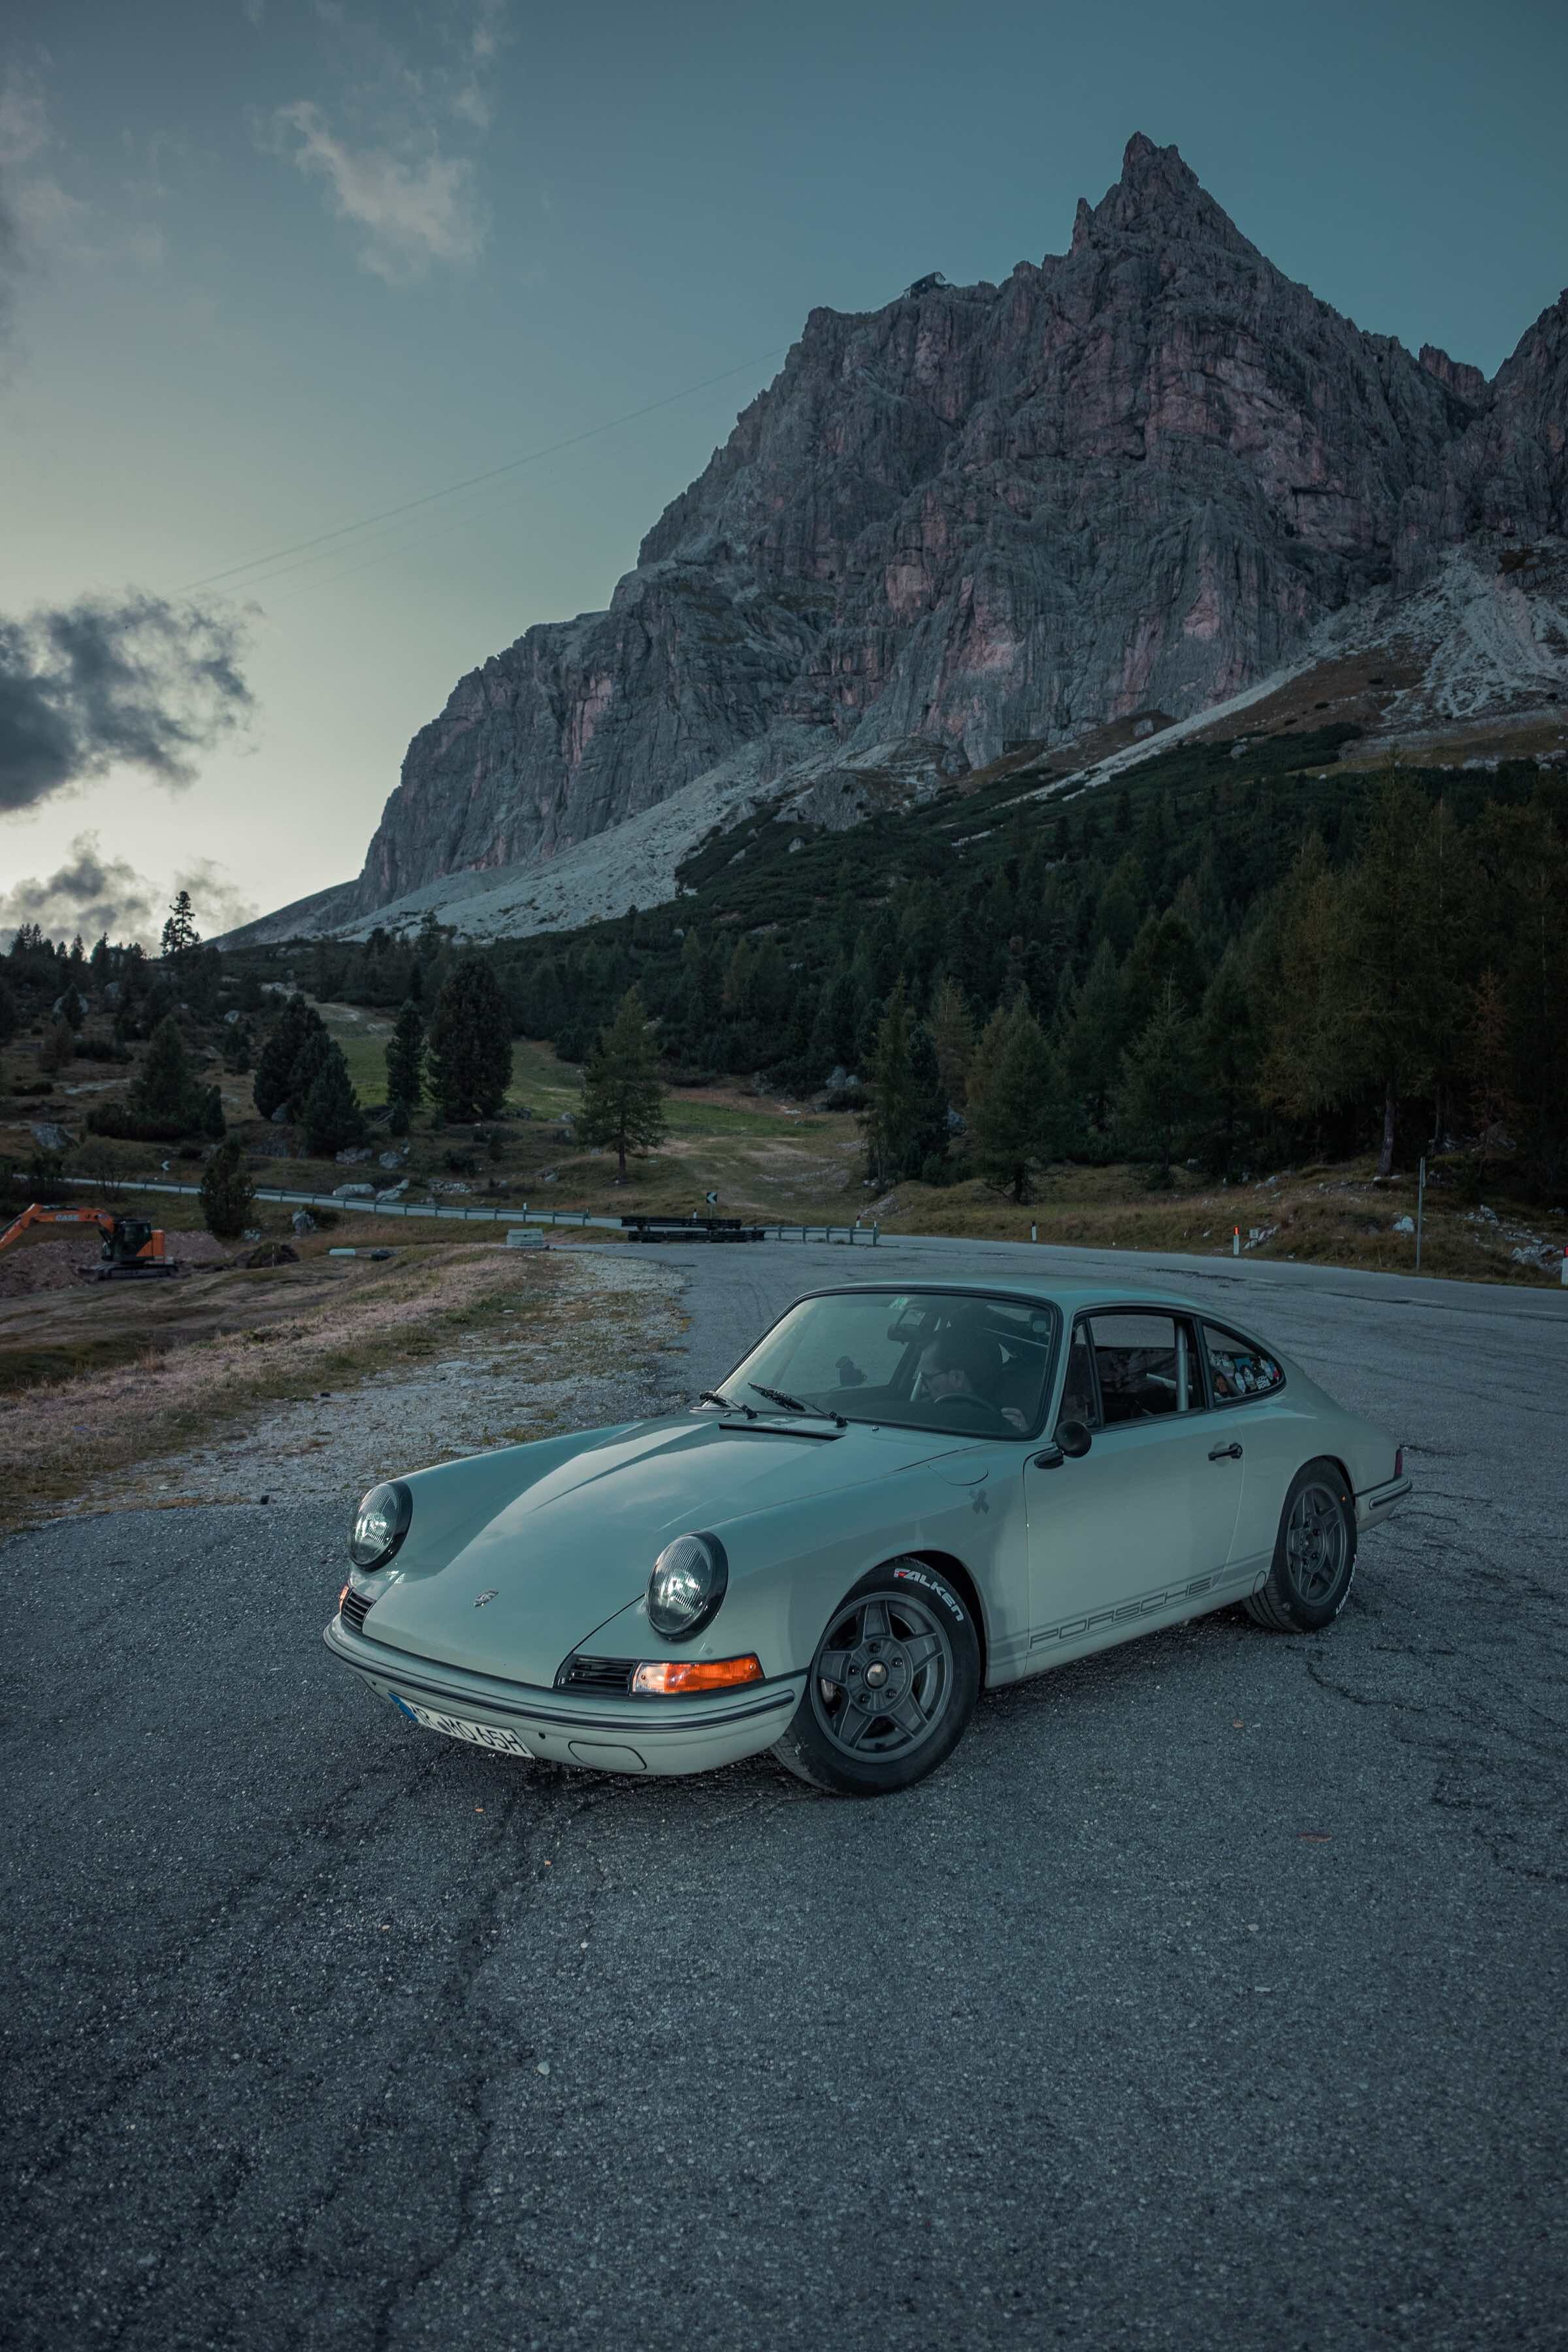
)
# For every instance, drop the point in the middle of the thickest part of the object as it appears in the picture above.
(711, 1396)
(793, 1404)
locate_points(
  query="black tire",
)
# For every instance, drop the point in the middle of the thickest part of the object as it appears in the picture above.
(1314, 1554)
(914, 1630)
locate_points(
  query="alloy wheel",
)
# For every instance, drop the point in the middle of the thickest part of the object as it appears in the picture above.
(1316, 1542)
(883, 1678)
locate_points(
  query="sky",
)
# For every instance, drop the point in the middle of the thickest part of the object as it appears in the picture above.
(270, 267)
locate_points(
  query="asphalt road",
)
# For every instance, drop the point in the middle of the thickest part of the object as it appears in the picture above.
(1213, 1995)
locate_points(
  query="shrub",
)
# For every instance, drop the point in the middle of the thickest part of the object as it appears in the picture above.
(228, 1195)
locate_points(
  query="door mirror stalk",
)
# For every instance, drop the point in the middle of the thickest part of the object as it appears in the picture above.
(1071, 1443)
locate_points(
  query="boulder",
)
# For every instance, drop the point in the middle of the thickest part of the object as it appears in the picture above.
(281, 1116)
(353, 1191)
(353, 1155)
(49, 1136)
(303, 1222)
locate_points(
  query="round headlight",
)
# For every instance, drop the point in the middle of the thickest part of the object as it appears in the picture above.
(687, 1586)
(380, 1524)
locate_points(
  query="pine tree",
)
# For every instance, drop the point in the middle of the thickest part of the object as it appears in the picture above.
(1154, 1099)
(890, 1122)
(928, 1135)
(331, 1109)
(1305, 1068)
(8, 1014)
(471, 1043)
(297, 1026)
(1015, 1096)
(406, 1058)
(238, 1046)
(1492, 1106)
(180, 930)
(952, 1035)
(1093, 1033)
(167, 1092)
(1228, 1046)
(623, 1101)
(228, 1194)
(73, 1012)
(1391, 948)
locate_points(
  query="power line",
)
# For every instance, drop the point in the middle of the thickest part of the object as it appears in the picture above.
(298, 548)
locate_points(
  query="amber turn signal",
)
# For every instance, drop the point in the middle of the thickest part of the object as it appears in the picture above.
(666, 1677)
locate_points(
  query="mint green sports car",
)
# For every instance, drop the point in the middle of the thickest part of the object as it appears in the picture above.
(901, 1497)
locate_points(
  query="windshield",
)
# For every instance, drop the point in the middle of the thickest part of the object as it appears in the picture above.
(954, 1361)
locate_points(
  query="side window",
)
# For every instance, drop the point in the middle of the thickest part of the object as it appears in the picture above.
(1146, 1366)
(1080, 1400)
(1236, 1368)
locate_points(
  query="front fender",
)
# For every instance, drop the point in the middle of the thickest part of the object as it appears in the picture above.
(791, 1565)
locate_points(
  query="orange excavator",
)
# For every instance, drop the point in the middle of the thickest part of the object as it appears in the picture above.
(133, 1250)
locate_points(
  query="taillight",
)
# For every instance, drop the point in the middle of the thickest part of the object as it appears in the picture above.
(1399, 1461)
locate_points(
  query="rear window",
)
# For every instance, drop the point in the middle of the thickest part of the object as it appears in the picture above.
(1145, 1365)
(1237, 1369)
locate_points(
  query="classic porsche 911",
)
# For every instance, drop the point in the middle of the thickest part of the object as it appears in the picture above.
(901, 1497)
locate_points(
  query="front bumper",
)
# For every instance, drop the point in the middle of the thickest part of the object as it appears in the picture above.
(660, 1736)
(1373, 1505)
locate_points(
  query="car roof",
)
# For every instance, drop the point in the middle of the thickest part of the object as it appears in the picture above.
(1072, 1298)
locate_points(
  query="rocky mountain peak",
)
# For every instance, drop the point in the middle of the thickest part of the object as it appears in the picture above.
(1158, 197)
(1138, 475)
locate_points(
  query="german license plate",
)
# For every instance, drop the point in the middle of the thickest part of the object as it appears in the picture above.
(458, 1727)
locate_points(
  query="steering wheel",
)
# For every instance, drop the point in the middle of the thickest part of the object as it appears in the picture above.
(979, 1403)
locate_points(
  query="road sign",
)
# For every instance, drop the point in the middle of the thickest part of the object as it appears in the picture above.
(710, 1197)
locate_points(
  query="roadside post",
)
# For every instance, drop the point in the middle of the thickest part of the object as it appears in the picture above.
(1235, 1240)
(1034, 1232)
(1420, 1204)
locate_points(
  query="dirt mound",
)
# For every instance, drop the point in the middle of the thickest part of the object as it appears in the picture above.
(199, 1249)
(46, 1266)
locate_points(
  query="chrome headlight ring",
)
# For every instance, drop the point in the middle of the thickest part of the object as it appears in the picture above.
(383, 1519)
(689, 1580)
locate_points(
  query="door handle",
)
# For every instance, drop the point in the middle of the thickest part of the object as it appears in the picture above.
(1224, 1452)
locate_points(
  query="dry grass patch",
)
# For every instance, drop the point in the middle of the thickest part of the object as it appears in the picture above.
(327, 1334)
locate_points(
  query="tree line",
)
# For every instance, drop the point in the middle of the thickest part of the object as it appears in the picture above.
(1258, 974)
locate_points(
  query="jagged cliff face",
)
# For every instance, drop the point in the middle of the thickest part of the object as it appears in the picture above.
(1134, 475)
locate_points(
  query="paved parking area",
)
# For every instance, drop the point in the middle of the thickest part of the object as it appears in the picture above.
(1213, 1995)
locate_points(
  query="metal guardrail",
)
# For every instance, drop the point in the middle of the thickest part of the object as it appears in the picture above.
(572, 1220)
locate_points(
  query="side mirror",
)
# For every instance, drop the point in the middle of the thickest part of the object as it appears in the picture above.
(1074, 1438)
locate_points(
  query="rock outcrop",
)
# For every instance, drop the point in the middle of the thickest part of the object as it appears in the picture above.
(1135, 474)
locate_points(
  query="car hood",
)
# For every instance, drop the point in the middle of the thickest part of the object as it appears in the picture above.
(575, 1547)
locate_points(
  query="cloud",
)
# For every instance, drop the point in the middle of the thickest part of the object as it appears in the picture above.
(93, 893)
(42, 223)
(95, 685)
(24, 118)
(383, 152)
(90, 893)
(415, 208)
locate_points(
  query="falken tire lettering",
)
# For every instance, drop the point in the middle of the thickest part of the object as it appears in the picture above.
(918, 1576)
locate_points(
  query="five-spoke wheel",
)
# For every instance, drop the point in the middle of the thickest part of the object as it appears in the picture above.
(1314, 1554)
(893, 1683)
